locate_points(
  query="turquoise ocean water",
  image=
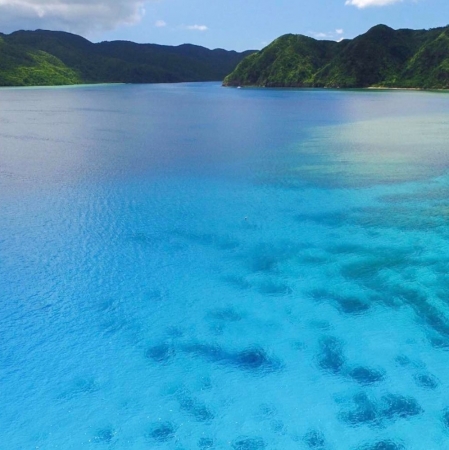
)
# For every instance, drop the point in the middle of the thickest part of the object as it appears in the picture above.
(192, 267)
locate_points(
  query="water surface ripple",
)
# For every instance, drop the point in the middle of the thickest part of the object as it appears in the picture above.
(191, 267)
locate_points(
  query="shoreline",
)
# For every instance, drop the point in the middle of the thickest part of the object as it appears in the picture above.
(64, 86)
(374, 88)
(59, 86)
(371, 88)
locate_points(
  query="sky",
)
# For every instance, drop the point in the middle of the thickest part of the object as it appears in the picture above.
(229, 24)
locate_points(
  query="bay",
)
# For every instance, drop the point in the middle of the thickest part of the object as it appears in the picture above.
(188, 266)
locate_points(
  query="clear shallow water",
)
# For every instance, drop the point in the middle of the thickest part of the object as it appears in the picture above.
(192, 267)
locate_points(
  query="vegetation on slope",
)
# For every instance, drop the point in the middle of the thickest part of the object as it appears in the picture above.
(291, 60)
(20, 66)
(380, 57)
(51, 58)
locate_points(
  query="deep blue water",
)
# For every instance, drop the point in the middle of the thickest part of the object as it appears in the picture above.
(192, 267)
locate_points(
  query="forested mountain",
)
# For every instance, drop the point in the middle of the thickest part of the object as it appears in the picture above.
(53, 58)
(381, 57)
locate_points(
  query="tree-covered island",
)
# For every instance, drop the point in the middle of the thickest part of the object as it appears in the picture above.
(382, 57)
(36, 58)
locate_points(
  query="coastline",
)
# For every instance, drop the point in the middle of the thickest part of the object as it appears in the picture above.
(373, 88)
(59, 86)
(56, 86)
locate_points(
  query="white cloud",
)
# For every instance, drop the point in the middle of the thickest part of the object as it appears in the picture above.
(160, 23)
(79, 16)
(366, 3)
(333, 35)
(197, 27)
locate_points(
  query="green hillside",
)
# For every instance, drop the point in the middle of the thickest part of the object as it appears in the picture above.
(55, 58)
(22, 66)
(382, 57)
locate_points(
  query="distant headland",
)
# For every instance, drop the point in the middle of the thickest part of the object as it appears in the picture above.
(44, 58)
(382, 57)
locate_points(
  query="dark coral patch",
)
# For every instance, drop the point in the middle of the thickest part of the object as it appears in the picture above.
(391, 406)
(104, 435)
(331, 356)
(315, 440)
(399, 406)
(253, 359)
(440, 343)
(160, 353)
(278, 427)
(365, 375)
(195, 408)
(403, 360)
(162, 432)
(205, 443)
(426, 312)
(446, 418)
(248, 443)
(351, 305)
(256, 360)
(267, 410)
(156, 295)
(347, 304)
(174, 332)
(263, 260)
(364, 412)
(201, 413)
(383, 445)
(426, 380)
